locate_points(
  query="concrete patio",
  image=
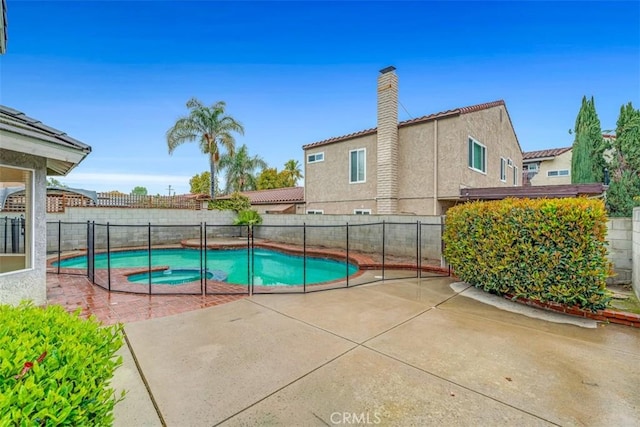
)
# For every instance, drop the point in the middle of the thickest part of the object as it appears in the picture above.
(402, 352)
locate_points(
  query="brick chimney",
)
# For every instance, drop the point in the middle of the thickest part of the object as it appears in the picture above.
(387, 162)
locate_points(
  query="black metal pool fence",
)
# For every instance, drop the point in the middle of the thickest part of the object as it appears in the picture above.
(382, 250)
(12, 234)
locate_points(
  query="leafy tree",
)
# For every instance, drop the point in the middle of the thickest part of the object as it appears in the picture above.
(270, 178)
(237, 203)
(52, 182)
(211, 127)
(240, 170)
(200, 183)
(624, 189)
(292, 172)
(587, 158)
(139, 191)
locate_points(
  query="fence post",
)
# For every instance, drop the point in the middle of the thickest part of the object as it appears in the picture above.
(59, 243)
(91, 251)
(347, 254)
(251, 261)
(418, 247)
(204, 248)
(149, 249)
(383, 254)
(108, 258)
(304, 257)
(6, 231)
(203, 273)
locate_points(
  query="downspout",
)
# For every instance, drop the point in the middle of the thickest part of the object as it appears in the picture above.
(435, 167)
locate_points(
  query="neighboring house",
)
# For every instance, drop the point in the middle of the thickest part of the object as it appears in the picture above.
(29, 151)
(417, 166)
(547, 167)
(288, 200)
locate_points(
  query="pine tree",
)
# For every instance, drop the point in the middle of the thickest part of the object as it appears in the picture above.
(587, 158)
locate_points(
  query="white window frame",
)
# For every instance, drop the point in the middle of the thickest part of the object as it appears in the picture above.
(515, 176)
(362, 211)
(315, 211)
(29, 216)
(470, 161)
(557, 173)
(531, 167)
(503, 169)
(364, 166)
(315, 157)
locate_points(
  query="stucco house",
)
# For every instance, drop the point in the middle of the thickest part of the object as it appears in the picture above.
(29, 151)
(547, 167)
(552, 166)
(418, 166)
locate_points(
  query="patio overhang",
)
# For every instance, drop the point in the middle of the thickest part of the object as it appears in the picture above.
(533, 192)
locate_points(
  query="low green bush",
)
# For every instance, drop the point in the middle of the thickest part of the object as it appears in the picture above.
(237, 203)
(549, 250)
(56, 368)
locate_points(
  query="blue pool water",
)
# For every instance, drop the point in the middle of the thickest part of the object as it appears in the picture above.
(270, 268)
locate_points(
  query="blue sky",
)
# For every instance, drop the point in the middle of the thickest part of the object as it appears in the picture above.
(117, 74)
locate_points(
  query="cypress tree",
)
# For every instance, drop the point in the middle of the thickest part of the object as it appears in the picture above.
(587, 158)
(624, 190)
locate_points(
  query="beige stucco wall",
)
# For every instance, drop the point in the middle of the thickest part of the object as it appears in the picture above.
(420, 190)
(29, 284)
(327, 185)
(562, 161)
(490, 127)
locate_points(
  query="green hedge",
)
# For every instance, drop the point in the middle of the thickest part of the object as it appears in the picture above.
(55, 368)
(550, 250)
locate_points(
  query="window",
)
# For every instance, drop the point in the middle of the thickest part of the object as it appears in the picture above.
(531, 167)
(477, 156)
(557, 173)
(510, 163)
(515, 175)
(316, 157)
(503, 169)
(315, 211)
(357, 165)
(16, 219)
(362, 211)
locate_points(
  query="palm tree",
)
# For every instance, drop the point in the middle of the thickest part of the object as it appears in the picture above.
(240, 169)
(292, 172)
(211, 127)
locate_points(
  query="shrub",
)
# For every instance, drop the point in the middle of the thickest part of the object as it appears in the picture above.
(55, 367)
(237, 203)
(248, 217)
(550, 250)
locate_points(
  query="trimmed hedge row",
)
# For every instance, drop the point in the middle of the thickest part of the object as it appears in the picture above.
(550, 250)
(55, 368)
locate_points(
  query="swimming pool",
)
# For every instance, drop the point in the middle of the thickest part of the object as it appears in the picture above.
(270, 268)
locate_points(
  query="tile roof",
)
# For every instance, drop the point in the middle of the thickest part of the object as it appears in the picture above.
(17, 122)
(533, 191)
(551, 152)
(442, 114)
(273, 196)
(73, 151)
